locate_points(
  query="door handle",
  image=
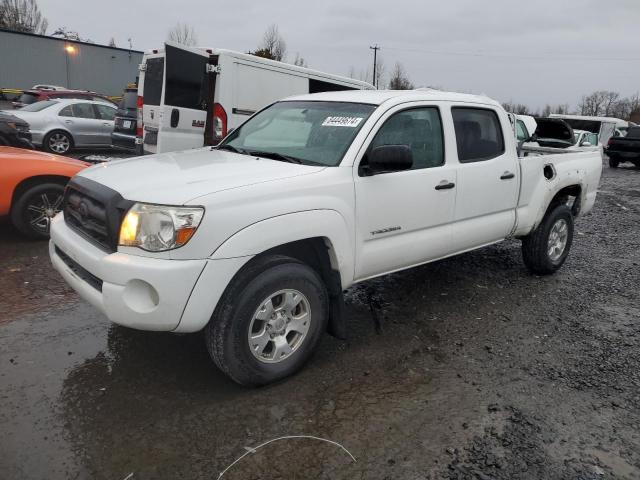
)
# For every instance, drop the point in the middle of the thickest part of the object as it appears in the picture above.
(68, 122)
(507, 176)
(175, 117)
(107, 124)
(445, 185)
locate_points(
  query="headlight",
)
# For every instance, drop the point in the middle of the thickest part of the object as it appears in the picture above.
(157, 227)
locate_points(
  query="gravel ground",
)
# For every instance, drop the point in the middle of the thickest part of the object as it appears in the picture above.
(479, 370)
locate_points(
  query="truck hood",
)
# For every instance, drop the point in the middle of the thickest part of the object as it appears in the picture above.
(175, 178)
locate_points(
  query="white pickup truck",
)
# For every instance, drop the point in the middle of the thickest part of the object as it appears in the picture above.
(255, 240)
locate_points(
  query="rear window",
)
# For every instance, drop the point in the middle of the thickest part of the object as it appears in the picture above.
(633, 132)
(153, 76)
(129, 99)
(36, 107)
(478, 134)
(186, 79)
(28, 98)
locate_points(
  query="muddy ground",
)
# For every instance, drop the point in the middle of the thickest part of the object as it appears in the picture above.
(480, 371)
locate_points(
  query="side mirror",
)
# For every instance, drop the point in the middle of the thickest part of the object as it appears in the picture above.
(390, 158)
(585, 144)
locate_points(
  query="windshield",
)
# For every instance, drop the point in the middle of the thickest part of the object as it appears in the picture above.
(128, 101)
(313, 133)
(36, 107)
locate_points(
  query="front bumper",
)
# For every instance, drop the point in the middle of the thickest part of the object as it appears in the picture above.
(141, 292)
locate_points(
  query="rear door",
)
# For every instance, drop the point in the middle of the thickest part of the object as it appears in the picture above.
(488, 177)
(85, 127)
(184, 110)
(151, 88)
(106, 114)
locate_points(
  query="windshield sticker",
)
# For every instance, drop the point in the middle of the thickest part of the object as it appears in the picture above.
(342, 122)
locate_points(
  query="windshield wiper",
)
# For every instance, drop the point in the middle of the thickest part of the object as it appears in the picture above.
(231, 148)
(275, 156)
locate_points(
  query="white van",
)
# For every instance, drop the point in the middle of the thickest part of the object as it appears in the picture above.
(191, 97)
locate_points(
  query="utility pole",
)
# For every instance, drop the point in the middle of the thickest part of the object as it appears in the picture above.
(375, 49)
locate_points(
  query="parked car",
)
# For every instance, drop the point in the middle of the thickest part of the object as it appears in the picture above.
(255, 240)
(124, 131)
(178, 109)
(584, 138)
(624, 149)
(32, 187)
(59, 126)
(48, 87)
(32, 96)
(14, 132)
(604, 127)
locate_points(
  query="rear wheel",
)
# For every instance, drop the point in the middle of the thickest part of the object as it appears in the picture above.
(545, 250)
(613, 162)
(268, 322)
(32, 212)
(58, 142)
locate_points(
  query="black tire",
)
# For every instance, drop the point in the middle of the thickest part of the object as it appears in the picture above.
(64, 138)
(613, 162)
(29, 206)
(227, 333)
(535, 247)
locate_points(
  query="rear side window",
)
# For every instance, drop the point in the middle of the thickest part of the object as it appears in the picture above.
(83, 110)
(105, 112)
(66, 112)
(186, 79)
(521, 131)
(478, 134)
(153, 77)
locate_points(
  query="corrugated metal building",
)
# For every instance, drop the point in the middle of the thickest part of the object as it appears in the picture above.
(27, 59)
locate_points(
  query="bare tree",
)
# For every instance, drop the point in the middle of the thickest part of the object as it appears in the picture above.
(112, 42)
(300, 61)
(399, 79)
(22, 16)
(183, 34)
(273, 45)
(380, 72)
(517, 108)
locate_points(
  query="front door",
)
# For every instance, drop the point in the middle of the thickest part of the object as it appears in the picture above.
(184, 111)
(403, 218)
(488, 178)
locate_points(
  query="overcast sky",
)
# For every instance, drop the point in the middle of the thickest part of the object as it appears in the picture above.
(533, 52)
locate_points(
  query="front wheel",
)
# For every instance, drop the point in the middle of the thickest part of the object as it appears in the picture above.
(32, 212)
(613, 162)
(546, 248)
(268, 322)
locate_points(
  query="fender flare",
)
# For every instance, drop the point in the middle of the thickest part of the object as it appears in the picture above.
(282, 229)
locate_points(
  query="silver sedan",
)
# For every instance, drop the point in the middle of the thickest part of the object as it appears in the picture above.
(60, 125)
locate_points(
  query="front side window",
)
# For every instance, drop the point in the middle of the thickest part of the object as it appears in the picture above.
(83, 110)
(313, 133)
(420, 129)
(478, 134)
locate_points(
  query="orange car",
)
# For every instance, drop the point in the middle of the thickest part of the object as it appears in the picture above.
(32, 187)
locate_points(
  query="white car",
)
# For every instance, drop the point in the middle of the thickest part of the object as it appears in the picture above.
(61, 125)
(255, 240)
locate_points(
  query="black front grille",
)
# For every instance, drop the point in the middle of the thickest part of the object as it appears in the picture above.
(94, 211)
(80, 271)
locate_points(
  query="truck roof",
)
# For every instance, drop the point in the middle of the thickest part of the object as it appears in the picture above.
(377, 97)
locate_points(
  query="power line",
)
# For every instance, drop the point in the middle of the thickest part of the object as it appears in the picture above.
(510, 56)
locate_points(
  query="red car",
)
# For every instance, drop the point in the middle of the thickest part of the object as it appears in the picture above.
(32, 96)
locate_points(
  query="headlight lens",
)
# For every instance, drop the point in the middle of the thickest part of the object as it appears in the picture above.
(157, 227)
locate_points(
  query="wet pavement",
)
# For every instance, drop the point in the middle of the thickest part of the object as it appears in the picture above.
(481, 371)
